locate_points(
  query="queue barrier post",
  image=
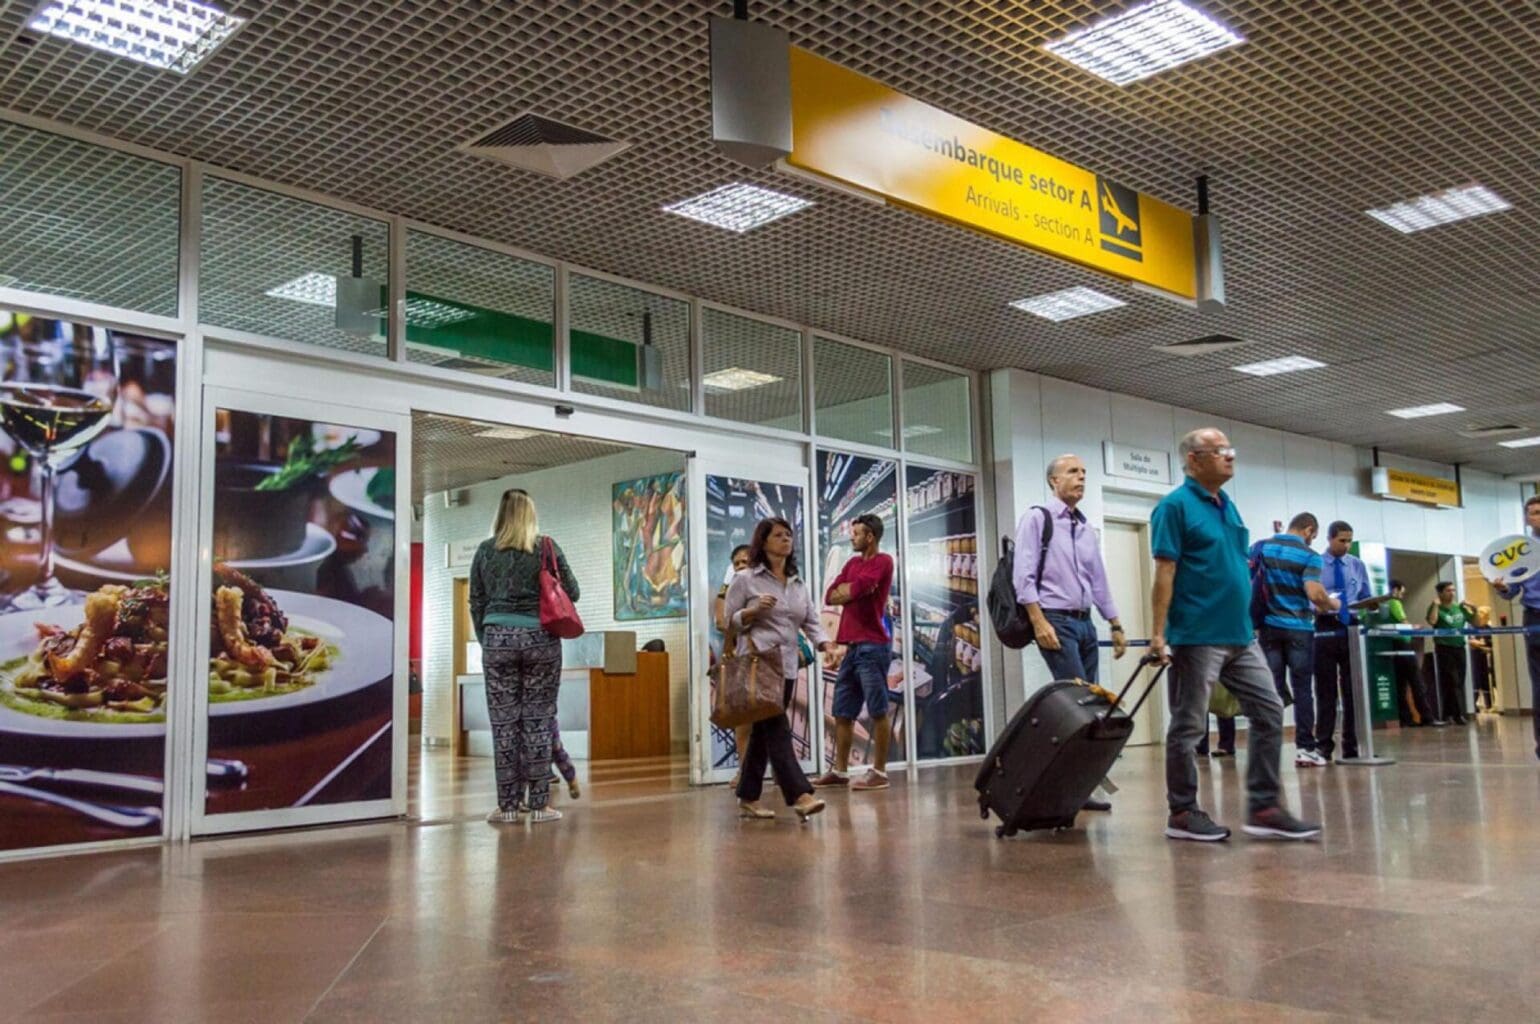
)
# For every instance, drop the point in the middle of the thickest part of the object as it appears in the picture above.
(1358, 660)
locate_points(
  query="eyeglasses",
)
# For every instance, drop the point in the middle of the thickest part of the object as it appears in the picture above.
(1223, 453)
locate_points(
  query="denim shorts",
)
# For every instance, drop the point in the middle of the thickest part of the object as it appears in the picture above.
(863, 675)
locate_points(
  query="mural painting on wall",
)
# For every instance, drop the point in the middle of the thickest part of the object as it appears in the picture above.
(87, 429)
(649, 544)
(302, 645)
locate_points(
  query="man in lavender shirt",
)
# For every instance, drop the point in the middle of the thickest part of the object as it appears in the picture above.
(1059, 594)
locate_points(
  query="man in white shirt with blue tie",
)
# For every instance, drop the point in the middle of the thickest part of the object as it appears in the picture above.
(1345, 578)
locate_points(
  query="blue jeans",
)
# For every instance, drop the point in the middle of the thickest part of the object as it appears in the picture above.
(1077, 656)
(1292, 651)
(863, 676)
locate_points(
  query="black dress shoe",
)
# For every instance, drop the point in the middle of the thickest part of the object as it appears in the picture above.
(1094, 804)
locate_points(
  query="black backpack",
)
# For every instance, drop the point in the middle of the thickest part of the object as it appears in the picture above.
(1006, 614)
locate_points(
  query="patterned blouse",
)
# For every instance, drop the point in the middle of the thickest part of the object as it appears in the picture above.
(507, 582)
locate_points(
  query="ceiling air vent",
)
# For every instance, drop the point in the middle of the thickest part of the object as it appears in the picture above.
(534, 143)
(1496, 430)
(1201, 346)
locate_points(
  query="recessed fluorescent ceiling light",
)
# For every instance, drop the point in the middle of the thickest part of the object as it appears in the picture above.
(738, 207)
(736, 378)
(508, 433)
(1068, 304)
(1144, 41)
(174, 35)
(1521, 442)
(1441, 208)
(316, 289)
(1418, 411)
(1288, 364)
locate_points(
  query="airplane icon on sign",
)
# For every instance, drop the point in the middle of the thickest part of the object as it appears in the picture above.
(1110, 205)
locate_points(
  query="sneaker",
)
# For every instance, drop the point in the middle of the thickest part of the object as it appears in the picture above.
(501, 817)
(1277, 823)
(873, 779)
(1309, 759)
(1222, 752)
(545, 814)
(574, 790)
(1197, 826)
(1093, 804)
(830, 779)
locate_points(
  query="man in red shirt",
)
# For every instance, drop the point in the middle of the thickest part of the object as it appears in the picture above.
(862, 589)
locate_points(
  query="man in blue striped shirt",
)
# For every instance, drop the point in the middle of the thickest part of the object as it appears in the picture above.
(1289, 574)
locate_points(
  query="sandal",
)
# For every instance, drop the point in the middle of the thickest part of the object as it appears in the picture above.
(807, 807)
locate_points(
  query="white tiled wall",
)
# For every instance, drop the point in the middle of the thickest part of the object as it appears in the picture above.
(574, 507)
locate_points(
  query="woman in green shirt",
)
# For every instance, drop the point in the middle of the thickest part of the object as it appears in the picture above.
(1449, 651)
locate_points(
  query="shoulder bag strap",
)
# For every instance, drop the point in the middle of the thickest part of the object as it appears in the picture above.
(1045, 536)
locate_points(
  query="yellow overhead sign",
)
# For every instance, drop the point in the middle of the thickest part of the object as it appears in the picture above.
(855, 130)
(1428, 490)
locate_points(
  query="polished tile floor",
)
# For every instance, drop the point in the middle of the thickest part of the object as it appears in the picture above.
(651, 902)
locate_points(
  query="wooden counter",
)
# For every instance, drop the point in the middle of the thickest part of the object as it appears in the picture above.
(628, 714)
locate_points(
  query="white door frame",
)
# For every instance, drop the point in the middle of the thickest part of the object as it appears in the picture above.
(1158, 710)
(702, 575)
(202, 823)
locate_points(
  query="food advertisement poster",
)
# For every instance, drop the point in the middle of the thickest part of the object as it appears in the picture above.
(648, 536)
(851, 486)
(734, 506)
(946, 644)
(87, 429)
(302, 637)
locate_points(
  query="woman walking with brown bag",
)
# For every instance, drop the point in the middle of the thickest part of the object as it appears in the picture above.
(767, 605)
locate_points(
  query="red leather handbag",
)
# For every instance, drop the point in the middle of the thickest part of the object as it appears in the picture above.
(558, 617)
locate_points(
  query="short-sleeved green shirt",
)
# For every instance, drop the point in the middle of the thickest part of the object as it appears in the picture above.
(1205, 537)
(1450, 616)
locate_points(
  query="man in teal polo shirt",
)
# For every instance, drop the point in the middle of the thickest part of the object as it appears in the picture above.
(1202, 595)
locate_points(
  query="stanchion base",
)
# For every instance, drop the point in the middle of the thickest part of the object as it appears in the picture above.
(1367, 762)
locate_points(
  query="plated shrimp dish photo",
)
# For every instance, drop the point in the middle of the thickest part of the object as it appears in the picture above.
(112, 667)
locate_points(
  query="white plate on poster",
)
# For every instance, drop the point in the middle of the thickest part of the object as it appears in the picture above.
(331, 435)
(116, 565)
(352, 489)
(365, 641)
(366, 652)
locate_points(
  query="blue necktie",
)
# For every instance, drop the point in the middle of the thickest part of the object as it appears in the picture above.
(1340, 586)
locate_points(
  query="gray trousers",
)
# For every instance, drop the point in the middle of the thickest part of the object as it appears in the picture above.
(1244, 672)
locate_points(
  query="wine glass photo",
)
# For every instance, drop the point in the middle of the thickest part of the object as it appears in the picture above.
(58, 388)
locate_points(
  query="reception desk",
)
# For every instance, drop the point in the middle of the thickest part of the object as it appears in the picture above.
(613, 702)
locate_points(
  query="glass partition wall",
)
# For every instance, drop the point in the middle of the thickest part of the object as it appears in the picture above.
(148, 245)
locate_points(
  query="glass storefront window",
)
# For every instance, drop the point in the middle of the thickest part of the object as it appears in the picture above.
(628, 343)
(938, 413)
(88, 223)
(485, 312)
(753, 370)
(284, 267)
(853, 393)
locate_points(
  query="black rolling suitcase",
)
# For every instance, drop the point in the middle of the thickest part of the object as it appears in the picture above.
(1053, 753)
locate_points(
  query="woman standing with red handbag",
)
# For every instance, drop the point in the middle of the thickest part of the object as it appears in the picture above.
(767, 606)
(518, 581)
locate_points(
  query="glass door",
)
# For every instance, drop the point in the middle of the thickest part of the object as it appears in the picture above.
(728, 501)
(301, 702)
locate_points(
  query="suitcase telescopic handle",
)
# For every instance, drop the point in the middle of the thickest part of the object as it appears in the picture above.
(1144, 662)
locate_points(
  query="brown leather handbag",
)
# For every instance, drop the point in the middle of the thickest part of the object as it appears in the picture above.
(749, 686)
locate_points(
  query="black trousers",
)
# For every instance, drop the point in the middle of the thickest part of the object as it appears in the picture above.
(1451, 678)
(770, 741)
(1334, 679)
(1532, 652)
(1410, 693)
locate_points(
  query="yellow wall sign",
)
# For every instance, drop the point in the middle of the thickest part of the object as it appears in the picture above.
(1427, 490)
(855, 130)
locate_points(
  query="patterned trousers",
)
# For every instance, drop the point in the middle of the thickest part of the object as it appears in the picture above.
(523, 672)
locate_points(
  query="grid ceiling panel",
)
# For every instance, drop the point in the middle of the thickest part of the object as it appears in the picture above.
(449, 453)
(1328, 109)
